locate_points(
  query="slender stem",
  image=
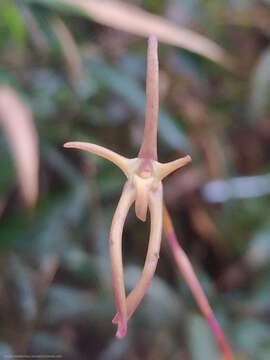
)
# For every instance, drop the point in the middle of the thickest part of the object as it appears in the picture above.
(188, 273)
(149, 144)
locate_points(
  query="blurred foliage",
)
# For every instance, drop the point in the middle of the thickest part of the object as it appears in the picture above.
(84, 81)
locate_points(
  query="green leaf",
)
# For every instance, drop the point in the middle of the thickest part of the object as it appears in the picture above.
(11, 19)
(7, 171)
(59, 5)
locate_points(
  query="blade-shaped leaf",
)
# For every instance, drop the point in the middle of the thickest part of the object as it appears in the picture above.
(18, 125)
(132, 19)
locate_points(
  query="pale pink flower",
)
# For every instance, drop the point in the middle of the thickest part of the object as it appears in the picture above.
(143, 187)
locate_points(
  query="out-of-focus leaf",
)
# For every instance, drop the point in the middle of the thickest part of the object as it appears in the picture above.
(51, 345)
(49, 93)
(11, 19)
(109, 184)
(200, 340)
(5, 351)
(250, 336)
(260, 87)
(264, 354)
(6, 170)
(62, 166)
(239, 220)
(132, 19)
(21, 289)
(81, 266)
(56, 231)
(70, 50)
(22, 232)
(116, 349)
(17, 122)
(185, 66)
(68, 304)
(7, 77)
(128, 89)
(12, 231)
(258, 252)
(133, 64)
(37, 20)
(36, 36)
(259, 298)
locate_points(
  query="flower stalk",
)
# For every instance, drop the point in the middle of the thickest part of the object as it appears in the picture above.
(189, 275)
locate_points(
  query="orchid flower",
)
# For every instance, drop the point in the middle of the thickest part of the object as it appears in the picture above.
(144, 188)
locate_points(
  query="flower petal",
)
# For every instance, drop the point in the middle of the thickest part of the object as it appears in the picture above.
(149, 144)
(142, 188)
(137, 294)
(119, 160)
(163, 170)
(126, 200)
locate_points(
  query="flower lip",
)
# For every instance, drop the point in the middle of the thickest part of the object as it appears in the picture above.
(143, 188)
(145, 174)
(146, 169)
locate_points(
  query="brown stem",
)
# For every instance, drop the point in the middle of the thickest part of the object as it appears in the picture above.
(188, 273)
(149, 144)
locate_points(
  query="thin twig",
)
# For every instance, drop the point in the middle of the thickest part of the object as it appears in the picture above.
(188, 273)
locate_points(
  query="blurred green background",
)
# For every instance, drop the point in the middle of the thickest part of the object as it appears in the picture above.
(85, 81)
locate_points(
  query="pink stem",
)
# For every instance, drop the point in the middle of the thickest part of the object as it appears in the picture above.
(188, 273)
